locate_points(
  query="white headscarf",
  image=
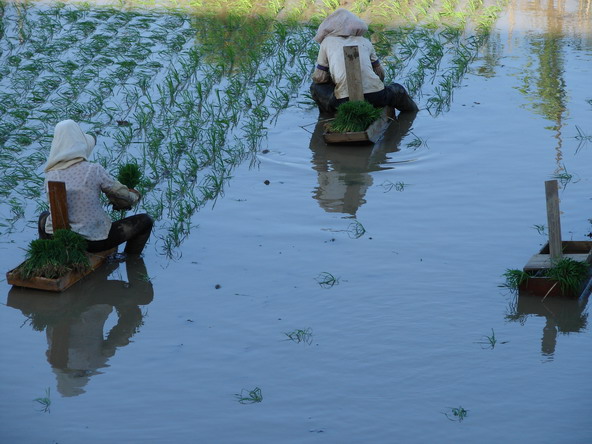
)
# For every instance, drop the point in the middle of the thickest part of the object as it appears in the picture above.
(69, 146)
(341, 23)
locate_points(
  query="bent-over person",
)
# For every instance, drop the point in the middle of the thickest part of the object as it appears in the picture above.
(329, 88)
(85, 181)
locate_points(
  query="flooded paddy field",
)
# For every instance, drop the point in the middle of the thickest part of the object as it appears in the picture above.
(292, 291)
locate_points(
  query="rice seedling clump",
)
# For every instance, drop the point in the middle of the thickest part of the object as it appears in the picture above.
(514, 278)
(129, 175)
(52, 258)
(569, 273)
(354, 116)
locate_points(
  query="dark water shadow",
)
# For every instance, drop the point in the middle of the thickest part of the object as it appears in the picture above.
(562, 315)
(343, 170)
(74, 321)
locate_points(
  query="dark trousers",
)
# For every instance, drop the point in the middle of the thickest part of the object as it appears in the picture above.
(393, 95)
(135, 230)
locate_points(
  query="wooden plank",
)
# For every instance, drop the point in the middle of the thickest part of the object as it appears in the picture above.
(377, 129)
(580, 251)
(543, 287)
(571, 247)
(64, 282)
(353, 73)
(544, 261)
(553, 219)
(354, 137)
(58, 205)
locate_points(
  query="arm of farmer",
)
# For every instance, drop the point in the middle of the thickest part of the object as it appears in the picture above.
(376, 66)
(118, 194)
(321, 73)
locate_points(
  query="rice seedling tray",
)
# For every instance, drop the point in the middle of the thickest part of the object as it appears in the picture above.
(580, 251)
(62, 283)
(372, 134)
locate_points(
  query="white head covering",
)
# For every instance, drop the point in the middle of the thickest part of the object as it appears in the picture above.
(69, 146)
(341, 23)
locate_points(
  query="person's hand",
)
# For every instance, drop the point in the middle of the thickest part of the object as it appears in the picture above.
(121, 205)
(131, 190)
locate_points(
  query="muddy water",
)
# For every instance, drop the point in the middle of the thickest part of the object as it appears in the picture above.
(155, 350)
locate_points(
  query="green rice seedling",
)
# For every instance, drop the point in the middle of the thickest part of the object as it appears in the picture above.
(44, 401)
(124, 136)
(52, 258)
(569, 274)
(354, 116)
(44, 258)
(355, 230)
(488, 18)
(387, 185)
(327, 280)
(299, 336)
(456, 414)
(249, 396)
(360, 6)
(129, 174)
(73, 242)
(514, 278)
(490, 341)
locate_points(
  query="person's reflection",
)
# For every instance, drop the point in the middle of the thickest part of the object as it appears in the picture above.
(343, 170)
(75, 320)
(562, 316)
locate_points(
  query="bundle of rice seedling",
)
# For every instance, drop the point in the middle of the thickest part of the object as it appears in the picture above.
(353, 117)
(129, 175)
(75, 246)
(52, 258)
(569, 273)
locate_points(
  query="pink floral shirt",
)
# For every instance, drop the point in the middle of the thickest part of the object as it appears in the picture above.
(84, 183)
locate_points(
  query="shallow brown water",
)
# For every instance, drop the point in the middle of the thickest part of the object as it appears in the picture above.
(398, 341)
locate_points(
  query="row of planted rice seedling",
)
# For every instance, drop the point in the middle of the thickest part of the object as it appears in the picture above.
(189, 96)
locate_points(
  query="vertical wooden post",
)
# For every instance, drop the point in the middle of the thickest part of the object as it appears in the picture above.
(58, 205)
(353, 73)
(553, 219)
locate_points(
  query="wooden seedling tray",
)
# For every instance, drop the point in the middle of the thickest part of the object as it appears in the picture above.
(63, 282)
(554, 250)
(580, 251)
(372, 134)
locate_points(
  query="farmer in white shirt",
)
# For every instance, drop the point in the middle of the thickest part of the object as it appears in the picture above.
(68, 163)
(329, 88)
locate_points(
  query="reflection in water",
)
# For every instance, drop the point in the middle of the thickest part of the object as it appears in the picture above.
(343, 170)
(562, 316)
(74, 320)
(570, 16)
(544, 86)
(564, 23)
